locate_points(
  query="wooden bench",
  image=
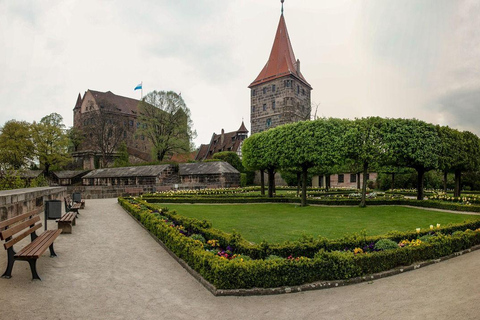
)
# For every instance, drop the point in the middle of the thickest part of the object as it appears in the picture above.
(72, 206)
(26, 224)
(66, 222)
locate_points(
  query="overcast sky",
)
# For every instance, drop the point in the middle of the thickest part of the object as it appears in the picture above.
(392, 58)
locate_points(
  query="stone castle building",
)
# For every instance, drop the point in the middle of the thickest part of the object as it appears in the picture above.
(229, 141)
(280, 94)
(101, 111)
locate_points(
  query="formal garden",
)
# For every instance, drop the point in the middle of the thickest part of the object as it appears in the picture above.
(245, 238)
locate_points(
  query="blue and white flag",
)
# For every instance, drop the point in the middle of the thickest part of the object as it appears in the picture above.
(138, 87)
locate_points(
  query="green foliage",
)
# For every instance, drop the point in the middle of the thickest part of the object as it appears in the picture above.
(166, 123)
(198, 237)
(75, 137)
(122, 160)
(16, 146)
(286, 266)
(243, 180)
(230, 157)
(51, 142)
(11, 180)
(386, 244)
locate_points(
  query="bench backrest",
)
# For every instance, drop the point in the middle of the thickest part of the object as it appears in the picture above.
(26, 222)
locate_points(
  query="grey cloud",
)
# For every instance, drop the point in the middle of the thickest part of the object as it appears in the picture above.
(463, 109)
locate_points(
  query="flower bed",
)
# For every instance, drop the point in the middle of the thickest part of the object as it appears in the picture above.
(230, 262)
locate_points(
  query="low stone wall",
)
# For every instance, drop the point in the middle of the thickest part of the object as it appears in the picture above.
(18, 201)
(102, 192)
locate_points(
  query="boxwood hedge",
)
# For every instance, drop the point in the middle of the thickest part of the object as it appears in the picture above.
(309, 259)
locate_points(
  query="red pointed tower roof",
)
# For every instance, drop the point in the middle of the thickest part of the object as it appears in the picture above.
(282, 60)
(79, 102)
(242, 129)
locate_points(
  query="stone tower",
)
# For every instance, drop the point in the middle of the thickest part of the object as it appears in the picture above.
(280, 94)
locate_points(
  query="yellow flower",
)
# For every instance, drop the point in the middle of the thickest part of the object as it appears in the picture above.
(418, 230)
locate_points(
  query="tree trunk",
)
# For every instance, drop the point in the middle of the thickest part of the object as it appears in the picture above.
(445, 181)
(393, 180)
(299, 181)
(358, 180)
(262, 182)
(458, 183)
(327, 182)
(363, 202)
(420, 176)
(271, 182)
(304, 186)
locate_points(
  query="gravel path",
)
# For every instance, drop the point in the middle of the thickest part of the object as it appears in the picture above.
(110, 268)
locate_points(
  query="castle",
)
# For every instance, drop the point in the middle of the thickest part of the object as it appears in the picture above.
(280, 94)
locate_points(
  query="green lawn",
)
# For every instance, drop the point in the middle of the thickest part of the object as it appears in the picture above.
(280, 222)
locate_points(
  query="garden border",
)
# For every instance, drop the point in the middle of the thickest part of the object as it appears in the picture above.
(318, 285)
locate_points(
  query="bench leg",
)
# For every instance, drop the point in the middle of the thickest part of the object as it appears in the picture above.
(52, 252)
(65, 226)
(8, 272)
(33, 267)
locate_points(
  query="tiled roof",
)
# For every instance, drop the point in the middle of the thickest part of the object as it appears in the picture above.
(79, 102)
(202, 152)
(140, 171)
(242, 129)
(123, 104)
(282, 60)
(183, 157)
(231, 142)
(214, 167)
(67, 174)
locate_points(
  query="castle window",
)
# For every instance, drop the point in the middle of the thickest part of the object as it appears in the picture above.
(254, 93)
(269, 122)
(264, 90)
(273, 105)
(138, 125)
(264, 107)
(367, 176)
(298, 89)
(253, 109)
(303, 91)
(131, 123)
(288, 83)
(273, 88)
(353, 177)
(341, 178)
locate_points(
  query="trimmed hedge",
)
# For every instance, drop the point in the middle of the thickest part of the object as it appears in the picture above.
(311, 259)
(241, 198)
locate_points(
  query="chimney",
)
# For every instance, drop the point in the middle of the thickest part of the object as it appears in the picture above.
(222, 138)
(298, 66)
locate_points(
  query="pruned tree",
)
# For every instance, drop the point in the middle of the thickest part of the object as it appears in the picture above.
(166, 123)
(258, 153)
(104, 129)
(414, 144)
(51, 142)
(16, 145)
(364, 144)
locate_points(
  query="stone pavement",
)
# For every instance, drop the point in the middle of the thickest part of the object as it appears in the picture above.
(110, 268)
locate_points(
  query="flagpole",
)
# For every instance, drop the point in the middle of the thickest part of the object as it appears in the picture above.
(141, 94)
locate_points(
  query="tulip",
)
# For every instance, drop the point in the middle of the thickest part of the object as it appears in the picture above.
(431, 227)
(418, 230)
(438, 225)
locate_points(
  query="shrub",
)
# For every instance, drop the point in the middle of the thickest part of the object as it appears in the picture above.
(386, 244)
(325, 260)
(273, 257)
(198, 237)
